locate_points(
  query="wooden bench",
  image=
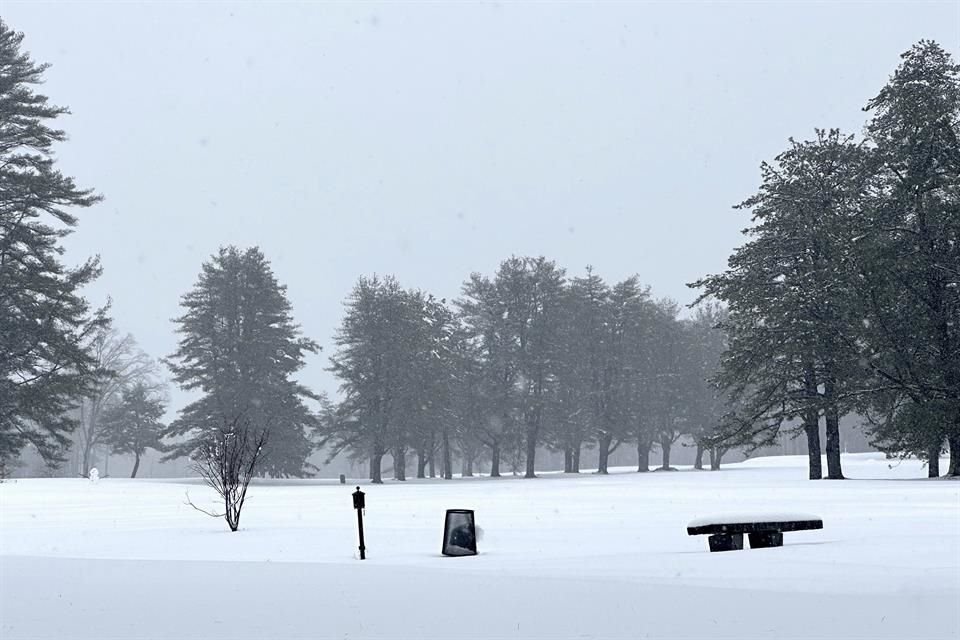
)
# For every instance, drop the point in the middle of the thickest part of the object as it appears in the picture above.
(726, 531)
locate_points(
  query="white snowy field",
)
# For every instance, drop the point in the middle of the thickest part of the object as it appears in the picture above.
(560, 557)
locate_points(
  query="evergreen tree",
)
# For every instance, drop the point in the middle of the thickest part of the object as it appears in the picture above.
(615, 315)
(635, 330)
(530, 291)
(536, 326)
(427, 347)
(494, 366)
(239, 348)
(442, 354)
(908, 428)
(705, 402)
(470, 401)
(792, 351)
(44, 320)
(666, 383)
(579, 411)
(908, 253)
(134, 425)
(371, 363)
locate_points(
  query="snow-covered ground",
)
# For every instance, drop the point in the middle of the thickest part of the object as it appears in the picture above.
(560, 557)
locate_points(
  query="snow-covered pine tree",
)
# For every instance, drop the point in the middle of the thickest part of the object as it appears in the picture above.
(530, 291)
(665, 384)
(577, 412)
(492, 406)
(396, 359)
(637, 330)
(239, 347)
(372, 363)
(44, 319)
(909, 254)
(433, 354)
(792, 352)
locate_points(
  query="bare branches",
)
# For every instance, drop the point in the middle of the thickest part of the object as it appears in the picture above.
(227, 461)
(189, 502)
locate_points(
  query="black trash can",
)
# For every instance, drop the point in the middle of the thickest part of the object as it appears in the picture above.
(459, 533)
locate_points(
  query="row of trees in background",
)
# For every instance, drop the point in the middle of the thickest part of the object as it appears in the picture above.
(524, 359)
(846, 298)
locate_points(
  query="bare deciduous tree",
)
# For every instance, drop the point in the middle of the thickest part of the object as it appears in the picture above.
(227, 461)
(119, 363)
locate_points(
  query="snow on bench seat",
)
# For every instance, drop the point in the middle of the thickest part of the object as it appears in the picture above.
(764, 529)
(743, 517)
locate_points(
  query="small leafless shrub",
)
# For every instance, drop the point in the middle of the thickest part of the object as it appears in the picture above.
(227, 461)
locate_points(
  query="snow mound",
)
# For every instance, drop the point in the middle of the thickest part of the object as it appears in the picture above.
(782, 462)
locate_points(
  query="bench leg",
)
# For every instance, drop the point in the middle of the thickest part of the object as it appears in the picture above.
(766, 539)
(726, 542)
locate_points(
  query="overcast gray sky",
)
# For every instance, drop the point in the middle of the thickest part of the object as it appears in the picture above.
(430, 140)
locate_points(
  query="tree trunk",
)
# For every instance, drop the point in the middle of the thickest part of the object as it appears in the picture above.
(832, 418)
(375, 474)
(421, 464)
(467, 468)
(834, 469)
(568, 460)
(933, 462)
(698, 462)
(665, 446)
(643, 456)
(432, 466)
(400, 464)
(136, 465)
(531, 452)
(603, 448)
(85, 459)
(447, 456)
(575, 462)
(495, 460)
(812, 429)
(811, 424)
(716, 454)
(954, 469)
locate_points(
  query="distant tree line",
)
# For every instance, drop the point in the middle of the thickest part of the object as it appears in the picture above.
(846, 297)
(525, 359)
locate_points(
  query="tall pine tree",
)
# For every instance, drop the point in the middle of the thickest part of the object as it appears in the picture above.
(239, 348)
(792, 353)
(44, 320)
(908, 255)
(373, 362)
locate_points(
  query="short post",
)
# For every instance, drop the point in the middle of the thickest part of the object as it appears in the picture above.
(359, 505)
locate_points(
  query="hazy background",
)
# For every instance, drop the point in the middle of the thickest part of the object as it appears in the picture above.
(431, 140)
